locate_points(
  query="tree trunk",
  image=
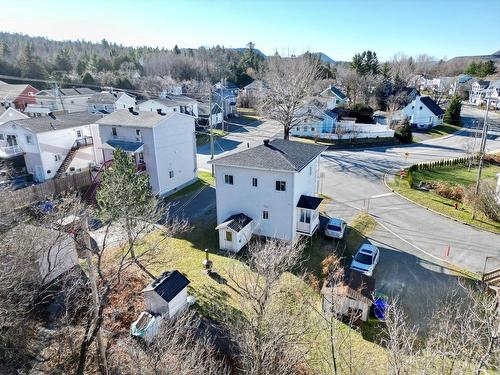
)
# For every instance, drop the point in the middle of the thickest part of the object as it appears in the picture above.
(286, 132)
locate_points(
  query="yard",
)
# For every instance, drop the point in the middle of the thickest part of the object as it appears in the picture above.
(204, 179)
(455, 176)
(186, 253)
(204, 137)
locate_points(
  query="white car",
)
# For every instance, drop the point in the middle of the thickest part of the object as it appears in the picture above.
(366, 259)
(335, 228)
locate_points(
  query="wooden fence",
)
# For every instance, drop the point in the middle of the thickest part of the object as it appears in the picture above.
(48, 189)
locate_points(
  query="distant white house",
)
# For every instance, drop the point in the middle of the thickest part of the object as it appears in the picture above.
(203, 114)
(423, 112)
(256, 88)
(51, 254)
(59, 101)
(334, 96)
(477, 93)
(268, 190)
(107, 102)
(350, 296)
(170, 103)
(167, 295)
(313, 121)
(163, 145)
(52, 145)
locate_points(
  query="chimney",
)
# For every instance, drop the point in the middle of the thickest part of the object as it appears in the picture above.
(266, 142)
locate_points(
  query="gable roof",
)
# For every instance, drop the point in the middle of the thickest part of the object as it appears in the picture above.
(143, 119)
(355, 285)
(9, 114)
(58, 122)
(74, 91)
(236, 222)
(164, 101)
(168, 285)
(181, 99)
(277, 154)
(105, 97)
(11, 92)
(339, 94)
(432, 105)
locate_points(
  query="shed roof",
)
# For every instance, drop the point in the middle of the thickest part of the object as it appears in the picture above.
(277, 154)
(311, 203)
(168, 285)
(236, 222)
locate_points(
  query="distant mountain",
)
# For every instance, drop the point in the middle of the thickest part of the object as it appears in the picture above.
(324, 57)
(494, 57)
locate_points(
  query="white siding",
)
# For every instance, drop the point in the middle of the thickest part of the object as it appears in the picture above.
(420, 115)
(178, 303)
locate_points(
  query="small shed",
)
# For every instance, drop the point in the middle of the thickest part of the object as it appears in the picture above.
(167, 295)
(235, 232)
(352, 296)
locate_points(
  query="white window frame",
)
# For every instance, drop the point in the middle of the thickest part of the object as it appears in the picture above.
(228, 179)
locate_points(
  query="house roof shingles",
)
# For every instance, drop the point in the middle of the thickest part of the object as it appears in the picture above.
(145, 119)
(432, 105)
(57, 122)
(169, 284)
(105, 97)
(277, 154)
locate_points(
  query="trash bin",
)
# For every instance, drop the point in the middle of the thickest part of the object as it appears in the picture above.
(379, 308)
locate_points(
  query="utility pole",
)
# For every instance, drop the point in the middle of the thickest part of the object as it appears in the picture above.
(57, 94)
(222, 100)
(210, 124)
(482, 147)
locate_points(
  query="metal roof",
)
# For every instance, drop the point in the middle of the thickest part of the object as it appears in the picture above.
(311, 203)
(168, 285)
(236, 222)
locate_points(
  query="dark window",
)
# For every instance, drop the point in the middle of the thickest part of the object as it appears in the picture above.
(171, 174)
(420, 107)
(254, 182)
(281, 185)
(228, 179)
(265, 215)
(114, 132)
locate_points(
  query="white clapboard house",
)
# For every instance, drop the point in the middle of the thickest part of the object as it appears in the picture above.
(269, 190)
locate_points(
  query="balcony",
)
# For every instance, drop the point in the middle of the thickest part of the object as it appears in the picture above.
(10, 151)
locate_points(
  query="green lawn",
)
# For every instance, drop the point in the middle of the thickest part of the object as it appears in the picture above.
(203, 138)
(204, 179)
(186, 254)
(454, 176)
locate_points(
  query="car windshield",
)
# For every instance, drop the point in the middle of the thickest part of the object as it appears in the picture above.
(363, 258)
(333, 227)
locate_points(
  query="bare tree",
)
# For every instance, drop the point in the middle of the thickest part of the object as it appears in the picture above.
(183, 346)
(400, 339)
(290, 81)
(271, 336)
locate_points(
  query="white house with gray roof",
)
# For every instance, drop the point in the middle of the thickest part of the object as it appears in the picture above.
(107, 102)
(269, 190)
(67, 100)
(52, 145)
(423, 112)
(170, 103)
(162, 144)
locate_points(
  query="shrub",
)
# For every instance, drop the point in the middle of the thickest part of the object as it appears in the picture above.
(485, 200)
(409, 179)
(448, 191)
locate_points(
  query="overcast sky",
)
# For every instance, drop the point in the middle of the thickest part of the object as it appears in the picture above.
(441, 28)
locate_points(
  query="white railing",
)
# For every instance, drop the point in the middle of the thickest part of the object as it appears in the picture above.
(10, 150)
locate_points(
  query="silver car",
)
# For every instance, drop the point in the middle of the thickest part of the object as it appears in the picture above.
(335, 228)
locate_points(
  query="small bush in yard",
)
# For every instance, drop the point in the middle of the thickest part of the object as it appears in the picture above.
(403, 132)
(448, 191)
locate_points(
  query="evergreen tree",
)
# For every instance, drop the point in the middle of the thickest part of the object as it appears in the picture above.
(5, 49)
(88, 79)
(63, 60)
(177, 51)
(30, 65)
(403, 132)
(81, 67)
(452, 113)
(365, 63)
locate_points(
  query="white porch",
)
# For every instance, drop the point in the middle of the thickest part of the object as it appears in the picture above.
(308, 215)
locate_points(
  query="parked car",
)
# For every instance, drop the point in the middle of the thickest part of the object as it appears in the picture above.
(366, 259)
(335, 228)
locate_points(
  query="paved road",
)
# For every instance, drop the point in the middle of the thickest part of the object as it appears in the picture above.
(353, 176)
(243, 134)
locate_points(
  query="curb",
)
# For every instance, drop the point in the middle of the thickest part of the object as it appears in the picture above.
(434, 211)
